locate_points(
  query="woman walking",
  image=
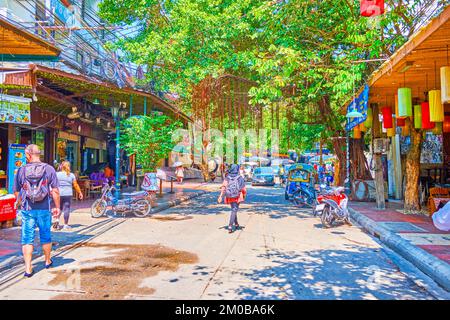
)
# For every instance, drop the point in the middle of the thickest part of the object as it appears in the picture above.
(179, 173)
(233, 187)
(67, 183)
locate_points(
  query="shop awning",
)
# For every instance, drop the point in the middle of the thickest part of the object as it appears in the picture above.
(19, 45)
(415, 65)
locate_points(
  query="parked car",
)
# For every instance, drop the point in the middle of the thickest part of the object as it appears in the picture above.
(263, 176)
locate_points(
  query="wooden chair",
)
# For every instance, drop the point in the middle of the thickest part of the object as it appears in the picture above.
(436, 193)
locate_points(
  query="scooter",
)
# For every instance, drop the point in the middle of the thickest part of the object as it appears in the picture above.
(304, 195)
(138, 203)
(332, 206)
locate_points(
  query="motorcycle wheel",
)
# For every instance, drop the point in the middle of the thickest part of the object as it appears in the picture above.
(327, 217)
(98, 208)
(141, 208)
(298, 199)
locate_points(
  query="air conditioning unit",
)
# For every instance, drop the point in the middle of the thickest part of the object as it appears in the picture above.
(381, 145)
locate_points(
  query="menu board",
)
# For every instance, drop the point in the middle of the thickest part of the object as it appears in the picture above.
(14, 109)
(16, 159)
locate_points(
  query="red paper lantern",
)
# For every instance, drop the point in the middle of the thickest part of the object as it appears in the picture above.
(446, 126)
(371, 8)
(401, 122)
(426, 123)
(387, 117)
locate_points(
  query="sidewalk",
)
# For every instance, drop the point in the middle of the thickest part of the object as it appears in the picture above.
(411, 235)
(85, 227)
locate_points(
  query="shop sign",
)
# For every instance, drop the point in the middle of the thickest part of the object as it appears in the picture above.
(14, 109)
(359, 104)
(16, 159)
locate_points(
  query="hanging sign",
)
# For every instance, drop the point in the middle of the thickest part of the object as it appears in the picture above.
(14, 109)
(16, 159)
(359, 104)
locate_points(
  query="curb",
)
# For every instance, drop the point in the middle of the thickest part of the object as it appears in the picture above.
(178, 201)
(435, 268)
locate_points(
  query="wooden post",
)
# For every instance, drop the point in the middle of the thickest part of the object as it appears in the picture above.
(160, 188)
(379, 181)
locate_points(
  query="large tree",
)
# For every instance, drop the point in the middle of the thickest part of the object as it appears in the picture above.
(299, 52)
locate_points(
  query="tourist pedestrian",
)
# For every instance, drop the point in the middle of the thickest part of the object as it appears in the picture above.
(233, 188)
(34, 185)
(67, 184)
(179, 173)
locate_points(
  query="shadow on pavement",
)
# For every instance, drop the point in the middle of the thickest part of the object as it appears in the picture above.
(356, 273)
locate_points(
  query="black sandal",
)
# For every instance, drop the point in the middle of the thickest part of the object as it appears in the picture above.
(28, 275)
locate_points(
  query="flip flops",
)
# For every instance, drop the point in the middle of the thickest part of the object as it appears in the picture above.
(49, 265)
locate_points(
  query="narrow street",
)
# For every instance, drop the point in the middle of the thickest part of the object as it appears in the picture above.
(281, 252)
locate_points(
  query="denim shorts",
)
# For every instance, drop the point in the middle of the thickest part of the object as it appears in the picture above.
(40, 218)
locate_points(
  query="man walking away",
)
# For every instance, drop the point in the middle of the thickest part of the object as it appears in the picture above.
(233, 187)
(34, 184)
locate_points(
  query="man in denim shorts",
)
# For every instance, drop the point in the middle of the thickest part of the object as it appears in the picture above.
(34, 184)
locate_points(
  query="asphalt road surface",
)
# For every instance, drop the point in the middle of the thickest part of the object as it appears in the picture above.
(281, 252)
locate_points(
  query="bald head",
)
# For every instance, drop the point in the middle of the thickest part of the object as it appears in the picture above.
(32, 153)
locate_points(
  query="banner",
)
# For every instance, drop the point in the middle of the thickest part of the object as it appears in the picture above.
(360, 104)
(16, 159)
(14, 109)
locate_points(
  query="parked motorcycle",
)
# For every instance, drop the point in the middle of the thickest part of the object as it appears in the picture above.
(138, 203)
(304, 195)
(332, 206)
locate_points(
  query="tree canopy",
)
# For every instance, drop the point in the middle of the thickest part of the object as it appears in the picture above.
(301, 53)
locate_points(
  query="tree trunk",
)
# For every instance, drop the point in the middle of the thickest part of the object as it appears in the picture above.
(412, 202)
(359, 167)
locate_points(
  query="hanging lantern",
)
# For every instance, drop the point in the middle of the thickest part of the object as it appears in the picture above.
(436, 106)
(356, 132)
(362, 127)
(387, 117)
(437, 129)
(390, 132)
(369, 119)
(445, 84)
(418, 116)
(404, 102)
(446, 127)
(426, 123)
(371, 8)
(405, 128)
(401, 122)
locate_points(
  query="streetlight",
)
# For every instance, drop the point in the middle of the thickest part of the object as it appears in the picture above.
(350, 115)
(115, 112)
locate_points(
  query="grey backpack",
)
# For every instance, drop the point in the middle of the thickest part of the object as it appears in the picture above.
(35, 182)
(233, 188)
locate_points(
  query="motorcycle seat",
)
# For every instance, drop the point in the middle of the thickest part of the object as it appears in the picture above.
(135, 194)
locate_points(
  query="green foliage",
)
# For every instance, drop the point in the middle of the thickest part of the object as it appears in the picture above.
(311, 46)
(149, 137)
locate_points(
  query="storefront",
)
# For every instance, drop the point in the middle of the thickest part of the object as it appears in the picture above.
(408, 117)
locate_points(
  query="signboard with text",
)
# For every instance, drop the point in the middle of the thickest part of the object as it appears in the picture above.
(14, 109)
(16, 159)
(359, 104)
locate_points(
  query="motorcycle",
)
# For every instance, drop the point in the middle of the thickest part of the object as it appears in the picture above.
(304, 195)
(138, 203)
(332, 206)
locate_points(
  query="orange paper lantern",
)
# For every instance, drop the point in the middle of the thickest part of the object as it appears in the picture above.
(446, 124)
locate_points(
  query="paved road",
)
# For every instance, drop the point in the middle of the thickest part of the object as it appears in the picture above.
(282, 252)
